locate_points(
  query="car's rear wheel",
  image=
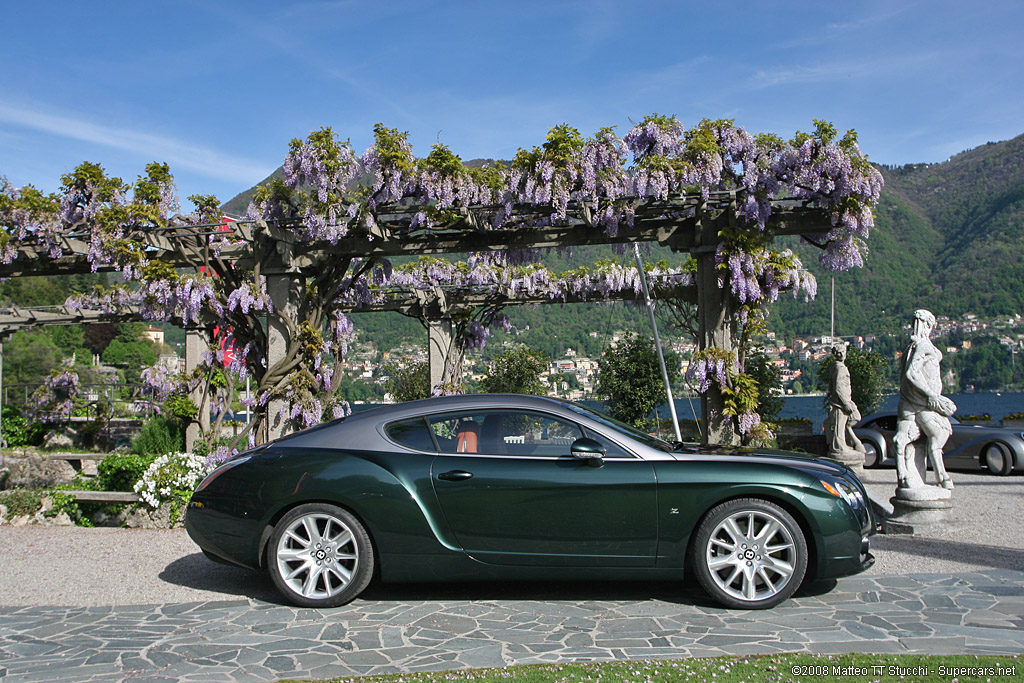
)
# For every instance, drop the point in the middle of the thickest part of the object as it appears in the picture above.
(749, 554)
(998, 459)
(320, 556)
(872, 454)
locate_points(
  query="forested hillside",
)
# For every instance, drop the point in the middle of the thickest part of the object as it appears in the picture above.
(949, 237)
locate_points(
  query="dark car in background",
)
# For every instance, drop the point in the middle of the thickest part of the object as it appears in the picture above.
(1000, 450)
(494, 487)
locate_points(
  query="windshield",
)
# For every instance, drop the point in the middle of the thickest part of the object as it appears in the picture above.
(622, 427)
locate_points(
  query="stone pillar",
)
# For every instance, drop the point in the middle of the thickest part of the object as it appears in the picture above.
(285, 290)
(197, 343)
(439, 344)
(715, 328)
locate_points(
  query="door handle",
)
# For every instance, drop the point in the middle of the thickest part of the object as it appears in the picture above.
(455, 475)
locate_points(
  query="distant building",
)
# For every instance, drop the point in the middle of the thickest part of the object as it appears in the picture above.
(155, 335)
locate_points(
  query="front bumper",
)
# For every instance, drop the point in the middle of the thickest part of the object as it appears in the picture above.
(867, 560)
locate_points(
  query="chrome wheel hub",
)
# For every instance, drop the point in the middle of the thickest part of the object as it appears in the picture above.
(317, 556)
(751, 555)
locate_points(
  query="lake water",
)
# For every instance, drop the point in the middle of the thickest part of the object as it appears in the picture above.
(812, 407)
(997, 405)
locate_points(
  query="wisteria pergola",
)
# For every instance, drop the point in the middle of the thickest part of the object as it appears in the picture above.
(688, 224)
(320, 242)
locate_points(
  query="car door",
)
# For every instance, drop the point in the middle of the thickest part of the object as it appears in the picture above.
(514, 495)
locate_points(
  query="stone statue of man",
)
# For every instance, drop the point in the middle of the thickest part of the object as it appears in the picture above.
(842, 411)
(923, 410)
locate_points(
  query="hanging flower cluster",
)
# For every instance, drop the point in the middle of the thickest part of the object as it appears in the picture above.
(755, 273)
(716, 367)
(601, 281)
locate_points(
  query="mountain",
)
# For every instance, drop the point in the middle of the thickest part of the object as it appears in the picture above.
(948, 237)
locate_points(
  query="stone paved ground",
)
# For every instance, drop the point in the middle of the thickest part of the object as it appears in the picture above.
(147, 606)
(424, 628)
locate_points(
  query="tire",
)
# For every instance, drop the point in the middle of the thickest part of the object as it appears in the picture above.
(320, 555)
(729, 554)
(872, 454)
(998, 459)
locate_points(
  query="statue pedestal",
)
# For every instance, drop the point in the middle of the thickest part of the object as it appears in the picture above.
(917, 509)
(852, 459)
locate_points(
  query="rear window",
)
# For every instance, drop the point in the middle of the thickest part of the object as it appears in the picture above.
(411, 433)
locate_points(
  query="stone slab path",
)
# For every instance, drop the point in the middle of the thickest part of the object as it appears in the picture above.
(412, 628)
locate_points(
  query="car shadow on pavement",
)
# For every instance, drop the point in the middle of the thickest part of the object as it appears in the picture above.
(198, 572)
(990, 556)
(544, 591)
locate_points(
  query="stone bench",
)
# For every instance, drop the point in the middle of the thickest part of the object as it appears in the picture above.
(75, 456)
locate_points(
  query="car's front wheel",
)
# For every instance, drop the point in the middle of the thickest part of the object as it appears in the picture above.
(998, 459)
(872, 454)
(320, 555)
(749, 554)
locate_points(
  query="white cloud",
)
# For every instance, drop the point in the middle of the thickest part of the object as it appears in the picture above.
(206, 162)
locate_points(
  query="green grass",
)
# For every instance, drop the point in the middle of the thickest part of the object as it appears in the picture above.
(802, 668)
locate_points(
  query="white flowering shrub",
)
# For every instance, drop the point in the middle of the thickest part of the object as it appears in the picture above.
(172, 477)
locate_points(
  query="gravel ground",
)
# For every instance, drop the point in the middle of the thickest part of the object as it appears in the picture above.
(69, 566)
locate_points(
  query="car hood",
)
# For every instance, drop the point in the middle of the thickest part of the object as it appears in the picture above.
(766, 455)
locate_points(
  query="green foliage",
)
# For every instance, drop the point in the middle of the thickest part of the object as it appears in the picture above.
(66, 503)
(18, 431)
(21, 501)
(29, 358)
(867, 377)
(121, 472)
(769, 385)
(630, 380)
(361, 390)
(408, 381)
(562, 144)
(182, 408)
(986, 365)
(516, 371)
(393, 147)
(158, 436)
(131, 351)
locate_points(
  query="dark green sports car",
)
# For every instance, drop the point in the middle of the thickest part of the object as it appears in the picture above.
(506, 486)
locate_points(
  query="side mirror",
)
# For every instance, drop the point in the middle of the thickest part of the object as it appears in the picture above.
(589, 451)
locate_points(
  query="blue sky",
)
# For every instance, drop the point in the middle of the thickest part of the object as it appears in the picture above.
(217, 89)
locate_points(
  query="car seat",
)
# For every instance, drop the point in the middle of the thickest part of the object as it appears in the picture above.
(467, 437)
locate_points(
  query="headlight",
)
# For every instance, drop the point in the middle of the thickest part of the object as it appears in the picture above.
(840, 489)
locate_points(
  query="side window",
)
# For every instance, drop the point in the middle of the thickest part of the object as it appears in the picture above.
(504, 432)
(412, 433)
(888, 423)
